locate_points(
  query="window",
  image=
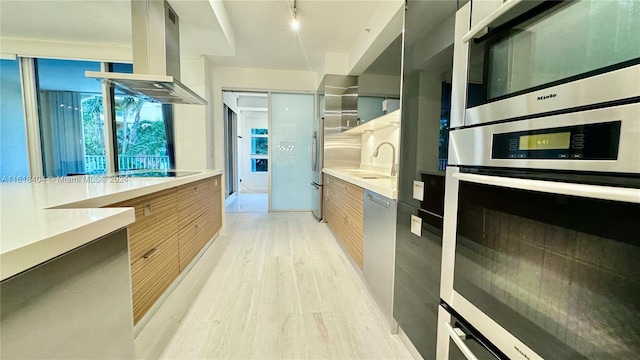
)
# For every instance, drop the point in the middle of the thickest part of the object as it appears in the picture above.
(13, 136)
(259, 150)
(71, 118)
(141, 130)
(259, 165)
(259, 142)
(445, 120)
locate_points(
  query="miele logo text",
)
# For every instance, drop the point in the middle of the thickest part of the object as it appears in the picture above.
(545, 97)
(521, 353)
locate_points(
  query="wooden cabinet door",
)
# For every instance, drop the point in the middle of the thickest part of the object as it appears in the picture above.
(344, 212)
(152, 275)
(156, 221)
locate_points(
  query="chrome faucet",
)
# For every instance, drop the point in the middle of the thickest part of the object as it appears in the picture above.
(394, 166)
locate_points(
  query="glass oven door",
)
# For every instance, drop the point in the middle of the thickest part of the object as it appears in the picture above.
(526, 56)
(549, 268)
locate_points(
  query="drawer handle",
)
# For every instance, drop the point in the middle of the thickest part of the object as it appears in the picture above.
(215, 182)
(150, 253)
(147, 209)
(379, 201)
(195, 190)
(197, 228)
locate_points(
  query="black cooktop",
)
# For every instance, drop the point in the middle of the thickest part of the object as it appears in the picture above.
(158, 173)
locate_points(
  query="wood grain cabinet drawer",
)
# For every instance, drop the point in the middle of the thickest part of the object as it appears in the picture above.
(156, 220)
(344, 212)
(171, 228)
(191, 199)
(194, 236)
(206, 218)
(152, 275)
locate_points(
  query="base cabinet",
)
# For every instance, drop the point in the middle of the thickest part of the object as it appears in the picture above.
(75, 306)
(152, 274)
(343, 209)
(171, 228)
(199, 217)
(417, 278)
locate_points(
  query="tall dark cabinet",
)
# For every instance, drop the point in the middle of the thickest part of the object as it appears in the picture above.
(426, 94)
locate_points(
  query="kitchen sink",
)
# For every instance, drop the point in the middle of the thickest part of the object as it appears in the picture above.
(368, 175)
(374, 177)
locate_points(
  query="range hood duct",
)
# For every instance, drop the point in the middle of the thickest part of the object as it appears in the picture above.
(156, 57)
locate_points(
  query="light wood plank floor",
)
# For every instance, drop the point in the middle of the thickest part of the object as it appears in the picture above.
(282, 289)
(248, 202)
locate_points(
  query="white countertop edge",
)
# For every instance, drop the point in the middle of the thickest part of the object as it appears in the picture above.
(83, 229)
(24, 258)
(384, 187)
(125, 195)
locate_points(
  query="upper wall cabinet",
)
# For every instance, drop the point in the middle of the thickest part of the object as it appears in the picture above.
(337, 101)
(379, 84)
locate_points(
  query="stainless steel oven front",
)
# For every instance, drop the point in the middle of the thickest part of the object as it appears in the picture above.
(527, 58)
(541, 235)
(543, 269)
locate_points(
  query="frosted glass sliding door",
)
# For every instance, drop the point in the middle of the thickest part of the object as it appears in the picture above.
(290, 136)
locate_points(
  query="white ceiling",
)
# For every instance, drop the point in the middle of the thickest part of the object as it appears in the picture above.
(260, 37)
(90, 21)
(263, 37)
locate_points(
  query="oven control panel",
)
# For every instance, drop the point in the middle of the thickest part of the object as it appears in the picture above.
(598, 141)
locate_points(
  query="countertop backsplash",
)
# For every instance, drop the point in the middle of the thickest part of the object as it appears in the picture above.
(370, 141)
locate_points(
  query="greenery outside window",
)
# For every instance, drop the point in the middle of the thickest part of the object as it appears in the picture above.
(259, 165)
(141, 129)
(259, 149)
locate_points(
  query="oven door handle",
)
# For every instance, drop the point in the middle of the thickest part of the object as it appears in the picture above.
(581, 190)
(484, 23)
(458, 336)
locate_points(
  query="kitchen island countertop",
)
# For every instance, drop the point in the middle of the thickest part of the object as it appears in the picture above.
(41, 220)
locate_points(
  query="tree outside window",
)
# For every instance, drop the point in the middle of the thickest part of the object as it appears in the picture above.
(259, 150)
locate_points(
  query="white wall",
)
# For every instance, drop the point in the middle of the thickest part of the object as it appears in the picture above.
(385, 25)
(193, 127)
(232, 78)
(371, 141)
(258, 181)
(231, 100)
(67, 50)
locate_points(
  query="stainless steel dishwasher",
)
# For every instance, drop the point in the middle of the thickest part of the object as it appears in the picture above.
(379, 249)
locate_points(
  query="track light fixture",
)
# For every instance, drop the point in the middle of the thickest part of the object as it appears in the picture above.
(295, 24)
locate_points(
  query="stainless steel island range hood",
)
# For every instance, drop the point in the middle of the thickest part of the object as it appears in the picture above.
(156, 57)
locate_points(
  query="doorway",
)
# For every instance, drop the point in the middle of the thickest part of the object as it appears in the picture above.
(231, 150)
(246, 151)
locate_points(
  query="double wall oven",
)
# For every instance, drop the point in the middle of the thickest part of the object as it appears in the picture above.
(541, 234)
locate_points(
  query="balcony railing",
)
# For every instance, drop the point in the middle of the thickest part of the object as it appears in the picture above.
(442, 164)
(98, 163)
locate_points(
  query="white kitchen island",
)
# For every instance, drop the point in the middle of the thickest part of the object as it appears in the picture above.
(64, 265)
